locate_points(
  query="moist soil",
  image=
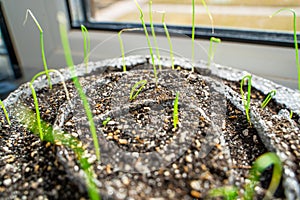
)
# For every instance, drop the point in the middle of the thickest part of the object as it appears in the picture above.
(143, 155)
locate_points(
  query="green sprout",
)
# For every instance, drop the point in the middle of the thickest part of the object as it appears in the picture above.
(291, 114)
(246, 102)
(227, 192)
(148, 39)
(153, 33)
(169, 39)
(268, 98)
(260, 165)
(212, 49)
(65, 42)
(134, 91)
(105, 122)
(86, 45)
(5, 112)
(35, 100)
(41, 44)
(122, 46)
(28, 118)
(295, 38)
(193, 34)
(175, 111)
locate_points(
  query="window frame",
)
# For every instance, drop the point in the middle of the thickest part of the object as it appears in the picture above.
(273, 38)
(8, 49)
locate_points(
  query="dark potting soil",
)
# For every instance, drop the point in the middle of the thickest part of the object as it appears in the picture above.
(213, 146)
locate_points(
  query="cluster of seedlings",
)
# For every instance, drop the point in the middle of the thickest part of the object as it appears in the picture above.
(47, 133)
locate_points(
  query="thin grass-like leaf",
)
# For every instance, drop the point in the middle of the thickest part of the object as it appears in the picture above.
(134, 91)
(268, 98)
(148, 39)
(5, 112)
(175, 111)
(41, 44)
(260, 165)
(153, 34)
(69, 61)
(212, 49)
(122, 45)
(246, 102)
(295, 38)
(169, 39)
(86, 46)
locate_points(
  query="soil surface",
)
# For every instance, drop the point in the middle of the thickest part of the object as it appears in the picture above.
(142, 155)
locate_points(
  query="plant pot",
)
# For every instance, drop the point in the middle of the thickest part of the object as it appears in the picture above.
(142, 155)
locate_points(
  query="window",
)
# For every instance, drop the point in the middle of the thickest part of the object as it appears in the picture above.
(234, 20)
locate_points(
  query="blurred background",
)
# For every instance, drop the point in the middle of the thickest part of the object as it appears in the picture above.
(251, 40)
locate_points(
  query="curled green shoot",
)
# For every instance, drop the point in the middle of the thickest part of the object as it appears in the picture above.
(5, 112)
(35, 100)
(169, 38)
(246, 102)
(28, 118)
(193, 34)
(268, 98)
(136, 89)
(65, 42)
(175, 111)
(86, 45)
(41, 44)
(148, 39)
(212, 49)
(295, 38)
(259, 166)
(122, 45)
(153, 34)
(105, 122)
(227, 192)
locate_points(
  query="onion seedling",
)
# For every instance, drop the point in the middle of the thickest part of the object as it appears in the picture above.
(153, 34)
(27, 117)
(295, 38)
(212, 49)
(193, 34)
(246, 102)
(268, 98)
(5, 112)
(169, 38)
(65, 43)
(104, 123)
(86, 45)
(175, 111)
(35, 101)
(134, 91)
(148, 39)
(291, 114)
(260, 165)
(41, 44)
(209, 15)
(122, 46)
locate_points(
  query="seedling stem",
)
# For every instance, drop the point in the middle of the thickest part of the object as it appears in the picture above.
(86, 45)
(246, 102)
(295, 38)
(41, 44)
(134, 91)
(69, 61)
(212, 49)
(268, 98)
(175, 111)
(5, 112)
(148, 40)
